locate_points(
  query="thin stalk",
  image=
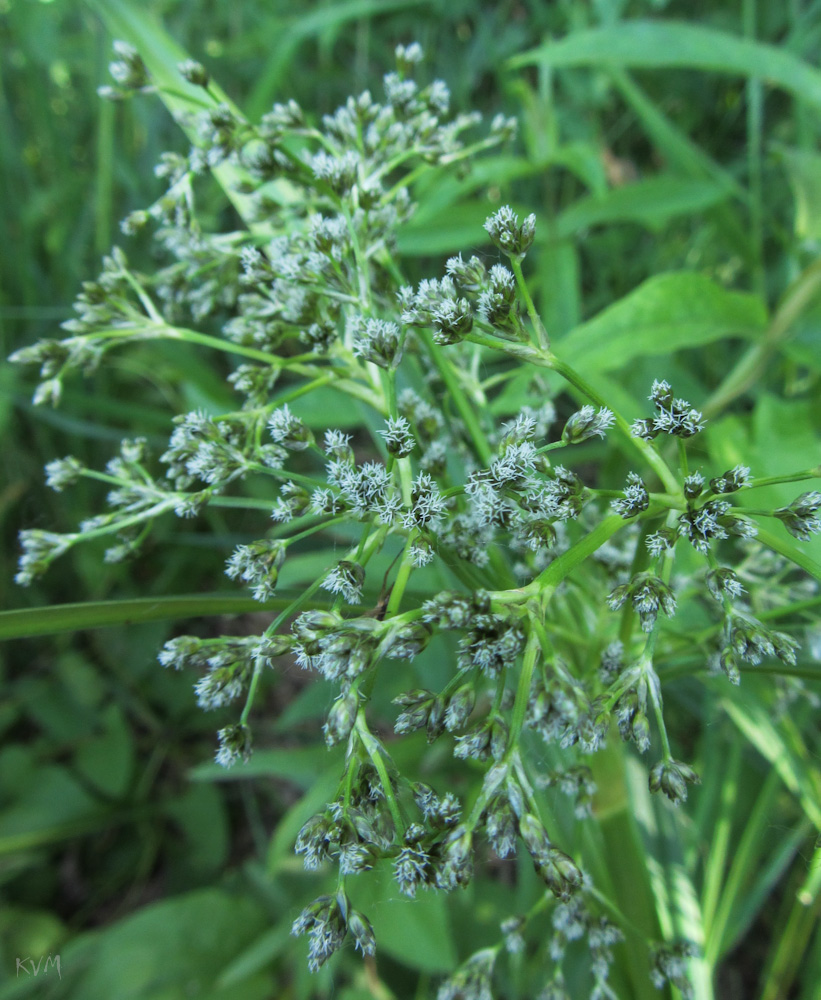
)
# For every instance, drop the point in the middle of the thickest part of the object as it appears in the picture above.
(529, 659)
(374, 751)
(795, 477)
(755, 114)
(542, 339)
(753, 364)
(402, 577)
(466, 411)
(259, 665)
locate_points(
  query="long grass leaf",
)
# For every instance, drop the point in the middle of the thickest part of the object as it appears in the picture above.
(782, 746)
(309, 24)
(55, 618)
(670, 44)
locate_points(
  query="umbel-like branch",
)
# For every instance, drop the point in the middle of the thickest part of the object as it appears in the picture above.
(549, 566)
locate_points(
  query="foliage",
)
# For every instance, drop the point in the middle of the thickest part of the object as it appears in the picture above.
(480, 825)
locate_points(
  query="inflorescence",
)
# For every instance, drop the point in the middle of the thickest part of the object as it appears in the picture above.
(312, 295)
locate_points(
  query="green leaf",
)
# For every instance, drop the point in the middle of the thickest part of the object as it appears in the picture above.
(301, 765)
(437, 191)
(107, 760)
(666, 44)
(172, 949)
(804, 173)
(650, 203)
(782, 745)
(666, 313)
(459, 229)
(51, 806)
(200, 816)
(677, 148)
(99, 614)
(415, 932)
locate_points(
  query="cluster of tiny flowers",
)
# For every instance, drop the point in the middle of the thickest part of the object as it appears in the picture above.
(800, 518)
(442, 480)
(399, 439)
(473, 980)
(635, 500)
(234, 745)
(257, 565)
(573, 921)
(587, 423)
(747, 640)
(288, 430)
(510, 236)
(39, 550)
(346, 578)
(670, 966)
(674, 416)
(648, 595)
(327, 922)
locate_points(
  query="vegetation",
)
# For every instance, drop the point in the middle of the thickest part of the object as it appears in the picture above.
(522, 664)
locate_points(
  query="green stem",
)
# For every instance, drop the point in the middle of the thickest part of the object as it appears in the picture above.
(259, 665)
(798, 297)
(529, 354)
(553, 447)
(402, 577)
(466, 411)
(374, 751)
(529, 659)
(795, 477)
(648, 451)
(542, 339)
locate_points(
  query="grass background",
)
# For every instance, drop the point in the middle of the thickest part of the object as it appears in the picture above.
(648, 144)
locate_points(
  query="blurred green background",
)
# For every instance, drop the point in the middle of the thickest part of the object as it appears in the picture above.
(117, 849)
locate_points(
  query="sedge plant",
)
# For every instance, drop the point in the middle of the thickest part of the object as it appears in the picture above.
(548, 592)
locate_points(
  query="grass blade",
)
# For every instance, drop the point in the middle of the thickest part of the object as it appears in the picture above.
(669, 44)
(55, 618)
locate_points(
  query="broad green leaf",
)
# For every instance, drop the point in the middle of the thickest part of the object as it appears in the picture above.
(650, 203)
(557, 285)
(199, 814)
(667, 313)
(322, 791)
(260, 953)
(107, 760)
(172, 949)
(667, 44)
(51, 806)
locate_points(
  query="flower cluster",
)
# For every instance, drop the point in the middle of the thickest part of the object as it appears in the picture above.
(327, 922)
(442, 512)
(673, 416)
